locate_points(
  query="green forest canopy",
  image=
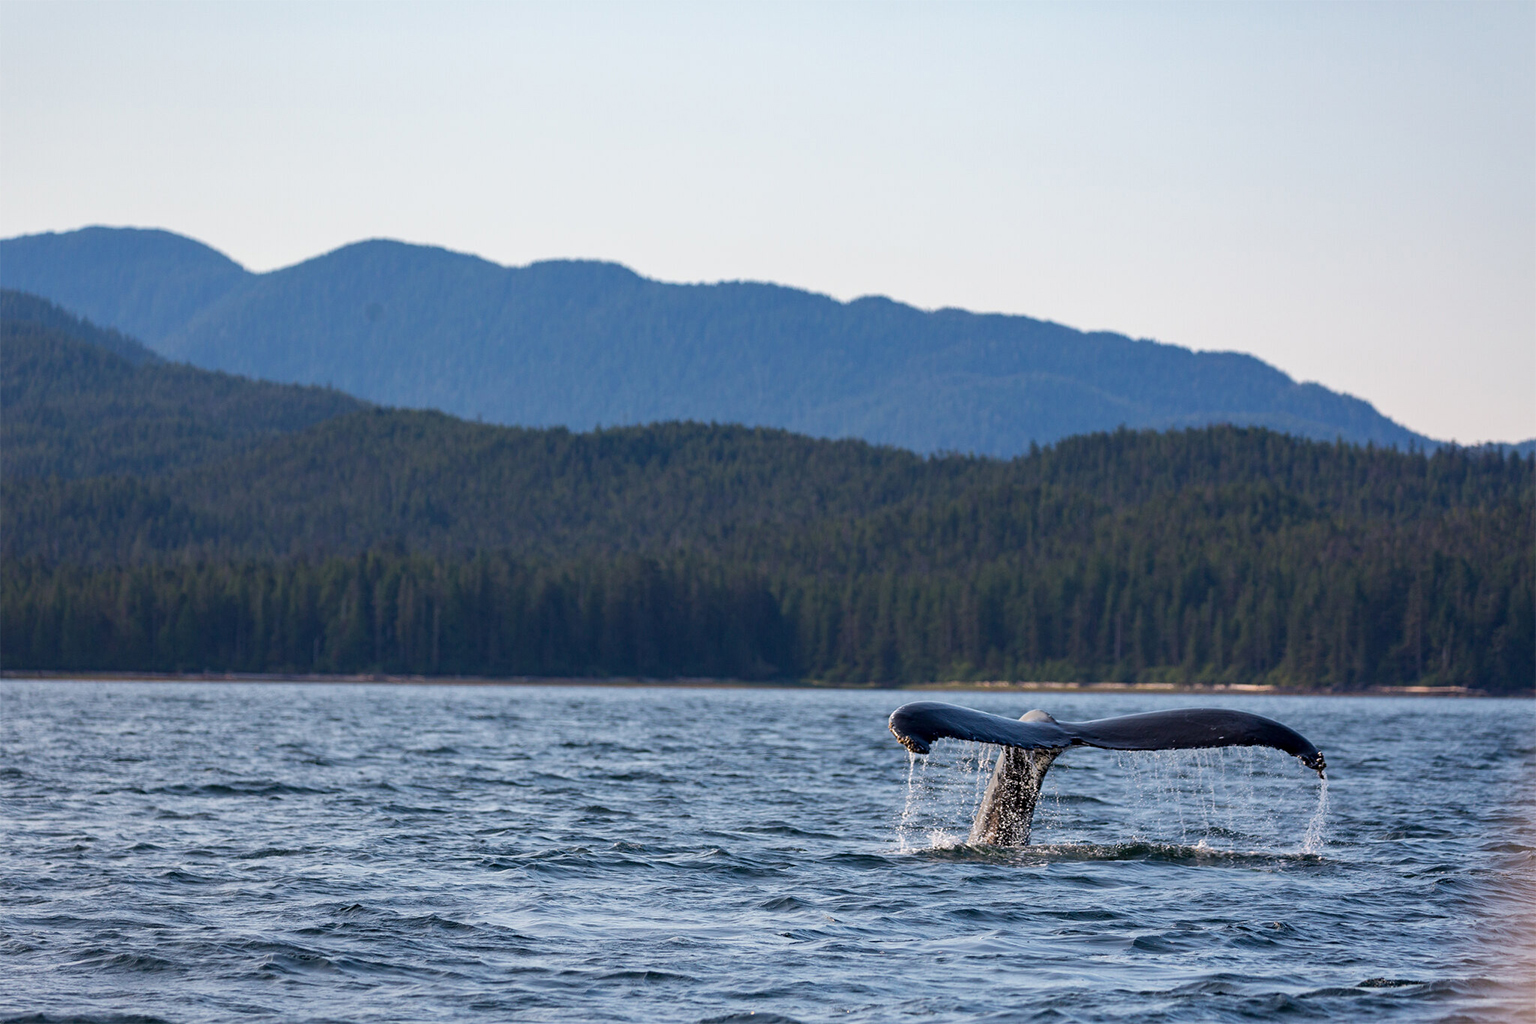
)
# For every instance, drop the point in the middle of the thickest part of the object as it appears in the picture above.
(162, 518)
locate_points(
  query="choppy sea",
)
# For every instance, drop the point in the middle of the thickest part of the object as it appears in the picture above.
(226, 851)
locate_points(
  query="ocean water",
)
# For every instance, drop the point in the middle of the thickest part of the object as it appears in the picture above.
(228, 851)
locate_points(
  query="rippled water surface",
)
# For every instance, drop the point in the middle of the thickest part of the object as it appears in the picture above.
(202, 852)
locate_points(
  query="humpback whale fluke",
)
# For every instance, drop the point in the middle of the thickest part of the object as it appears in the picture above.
(1033, 742)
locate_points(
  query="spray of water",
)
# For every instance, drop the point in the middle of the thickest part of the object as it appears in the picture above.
(943, 791)
(1317, 828)
(909, 811)
(1228, 797)
(1232, 799)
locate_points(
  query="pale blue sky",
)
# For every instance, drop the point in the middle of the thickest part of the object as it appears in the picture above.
(1345, 190)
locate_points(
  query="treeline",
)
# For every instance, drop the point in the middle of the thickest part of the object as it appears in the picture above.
(1319, 605)
(395, 612)
(160, 518)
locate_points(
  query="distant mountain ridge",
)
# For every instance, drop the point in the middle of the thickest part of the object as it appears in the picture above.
(578, 344)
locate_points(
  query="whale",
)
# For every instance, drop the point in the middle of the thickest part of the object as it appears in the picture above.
(1032, 743)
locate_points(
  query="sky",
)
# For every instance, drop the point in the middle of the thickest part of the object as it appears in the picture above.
(1345, 190)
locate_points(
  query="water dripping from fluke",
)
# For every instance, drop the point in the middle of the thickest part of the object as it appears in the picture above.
(904, 826)
(1317, 828)
(1031, 745)
(929, 780)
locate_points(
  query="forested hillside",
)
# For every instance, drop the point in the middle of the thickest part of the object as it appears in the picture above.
(580, 343)
(400, 541)
(22, 313)
(80, 401)
(437, 484)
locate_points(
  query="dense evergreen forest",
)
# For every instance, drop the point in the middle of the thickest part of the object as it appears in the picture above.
(341, 538)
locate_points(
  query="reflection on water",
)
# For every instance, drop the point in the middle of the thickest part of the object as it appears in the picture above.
(196, 852)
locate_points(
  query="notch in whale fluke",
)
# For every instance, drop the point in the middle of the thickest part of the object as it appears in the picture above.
(918, 724)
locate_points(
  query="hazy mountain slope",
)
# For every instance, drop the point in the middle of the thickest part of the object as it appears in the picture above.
(22, 312)
(74, 407)
(583, 343)
(145, 283)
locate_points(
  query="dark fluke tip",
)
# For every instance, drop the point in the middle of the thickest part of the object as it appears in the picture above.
(1317, 764)
(905, 738)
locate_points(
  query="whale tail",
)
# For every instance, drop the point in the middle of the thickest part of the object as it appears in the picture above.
(1007, 811)
(1032, 743)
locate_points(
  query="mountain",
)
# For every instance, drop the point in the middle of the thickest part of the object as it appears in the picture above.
(82, 401)
(145, 283)
(164, 518)
(580, 344)
(23, 314)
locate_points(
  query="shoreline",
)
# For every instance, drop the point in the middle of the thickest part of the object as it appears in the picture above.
(959, 686)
